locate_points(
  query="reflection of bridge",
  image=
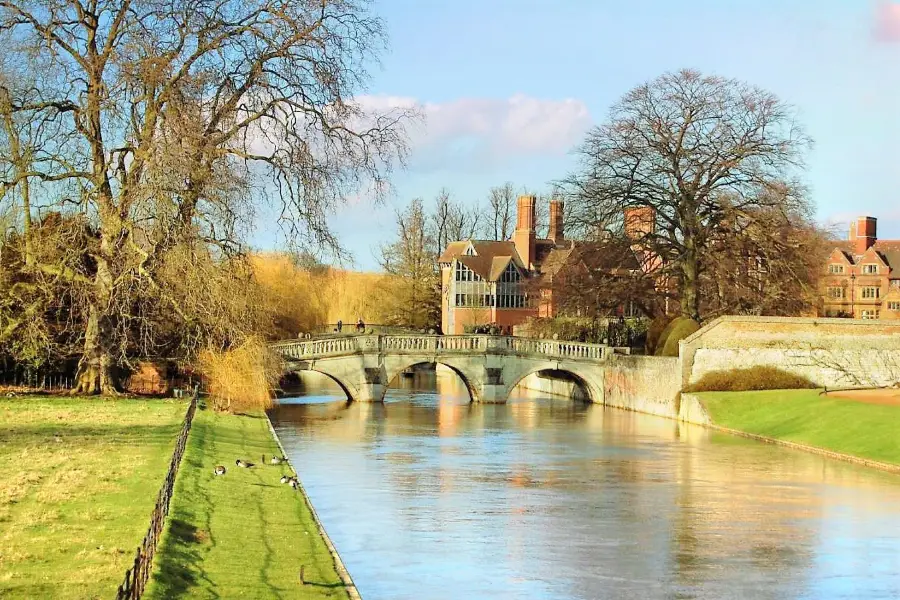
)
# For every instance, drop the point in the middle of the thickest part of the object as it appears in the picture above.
(490, 366)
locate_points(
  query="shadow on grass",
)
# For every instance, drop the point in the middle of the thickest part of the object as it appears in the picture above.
(179, 561)
(180, 555)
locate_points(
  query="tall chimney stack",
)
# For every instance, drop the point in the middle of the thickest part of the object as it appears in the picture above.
(557, 230)
(524, 237)
(865, 234)
(640, 221)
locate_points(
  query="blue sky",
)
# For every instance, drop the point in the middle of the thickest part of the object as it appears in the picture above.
(508, 87)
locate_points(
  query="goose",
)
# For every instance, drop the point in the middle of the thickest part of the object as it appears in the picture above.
(220, 470)
(277, 460)
(285, 479)
(243, 464)
(294, 483)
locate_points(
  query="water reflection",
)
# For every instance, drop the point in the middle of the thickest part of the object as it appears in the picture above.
(429, 496)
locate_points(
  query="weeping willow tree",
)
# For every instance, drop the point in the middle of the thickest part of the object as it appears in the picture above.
(173, 126)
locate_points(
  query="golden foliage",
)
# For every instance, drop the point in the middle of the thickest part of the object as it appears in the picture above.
(299, 300)
(241, 378)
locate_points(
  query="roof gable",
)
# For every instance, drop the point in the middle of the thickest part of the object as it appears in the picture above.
(839, 255)
(871, 256)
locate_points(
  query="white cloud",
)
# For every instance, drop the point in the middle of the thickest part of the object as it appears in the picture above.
(489, 129)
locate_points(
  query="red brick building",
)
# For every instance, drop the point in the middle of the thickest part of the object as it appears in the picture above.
(485, 281)
(862, 275)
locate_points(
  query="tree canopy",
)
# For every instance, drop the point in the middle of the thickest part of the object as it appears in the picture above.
(687, 166)
(169, 126)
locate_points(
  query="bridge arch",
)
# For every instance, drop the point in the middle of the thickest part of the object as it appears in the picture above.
(589, 387)
(392, 373)
(349, 390)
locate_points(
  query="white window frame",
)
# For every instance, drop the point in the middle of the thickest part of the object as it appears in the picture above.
(836, 269)
(869, 314)
(840, 295)
(893, 305)
(870, 269)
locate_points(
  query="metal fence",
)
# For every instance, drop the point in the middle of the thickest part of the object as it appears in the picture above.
(137, 576)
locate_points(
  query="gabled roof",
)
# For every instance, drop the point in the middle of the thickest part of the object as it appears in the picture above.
(490, 260)
(483, 248)
(887, 250)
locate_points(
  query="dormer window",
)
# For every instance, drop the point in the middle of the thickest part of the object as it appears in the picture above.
(470, 251)
(870, 269)
(836, 269)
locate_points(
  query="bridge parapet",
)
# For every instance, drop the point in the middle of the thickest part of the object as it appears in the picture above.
(442, 344)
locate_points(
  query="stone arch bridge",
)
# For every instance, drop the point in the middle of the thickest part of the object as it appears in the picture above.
(490, 366)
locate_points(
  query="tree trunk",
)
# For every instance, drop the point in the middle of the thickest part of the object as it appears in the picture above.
(95, 373)
(690, 293)
(95, 369)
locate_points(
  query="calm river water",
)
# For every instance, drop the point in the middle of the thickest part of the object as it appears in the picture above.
(429, 497)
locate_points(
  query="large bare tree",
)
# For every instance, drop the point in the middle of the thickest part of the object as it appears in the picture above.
(182, 120)
(691, 151)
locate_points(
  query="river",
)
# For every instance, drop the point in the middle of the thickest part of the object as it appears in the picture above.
(430, 497)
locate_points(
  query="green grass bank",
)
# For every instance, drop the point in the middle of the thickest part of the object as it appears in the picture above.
(860, 429)
(244, 534)
(78, 481)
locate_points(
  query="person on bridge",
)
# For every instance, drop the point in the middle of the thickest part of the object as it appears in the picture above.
(340, 325)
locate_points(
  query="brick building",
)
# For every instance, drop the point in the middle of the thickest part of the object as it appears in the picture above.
(862, 275)
(486, 281)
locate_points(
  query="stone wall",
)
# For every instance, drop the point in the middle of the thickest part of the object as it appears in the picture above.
(830, 352)
(647, 384)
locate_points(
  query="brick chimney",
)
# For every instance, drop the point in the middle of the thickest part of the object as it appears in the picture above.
(557, 229)
(863, 234)
(639, 222)
(523, 237)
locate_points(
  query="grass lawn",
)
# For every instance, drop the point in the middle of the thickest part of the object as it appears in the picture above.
(78, 480)
(862, 429)
(244, 534)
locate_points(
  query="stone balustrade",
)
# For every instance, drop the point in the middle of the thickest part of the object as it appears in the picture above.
(441, 345)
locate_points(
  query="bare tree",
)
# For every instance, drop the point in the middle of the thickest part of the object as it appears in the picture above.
(414, 295)
(602, 275)
(500, 218)
(184, 119)
(764, 265)
(689, 150)
(450, 221)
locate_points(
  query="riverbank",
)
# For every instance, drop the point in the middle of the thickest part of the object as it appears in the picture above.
(78, 480)
(243, 534)
(866, 431)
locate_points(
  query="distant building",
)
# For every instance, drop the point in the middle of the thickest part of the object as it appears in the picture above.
(486, 281)
(862, 275)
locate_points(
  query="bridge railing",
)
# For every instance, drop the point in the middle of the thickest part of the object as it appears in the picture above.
(439, 344)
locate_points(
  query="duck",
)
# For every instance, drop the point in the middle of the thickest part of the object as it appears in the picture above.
(285, 479)
(220, 470)
(243, 464)
(277, 460)
(294, 483)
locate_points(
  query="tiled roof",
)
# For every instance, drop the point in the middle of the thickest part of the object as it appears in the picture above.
(483, 248)
(889, 250)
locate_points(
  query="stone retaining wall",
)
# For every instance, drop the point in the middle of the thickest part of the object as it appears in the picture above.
(829, 352)
(647, 384)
